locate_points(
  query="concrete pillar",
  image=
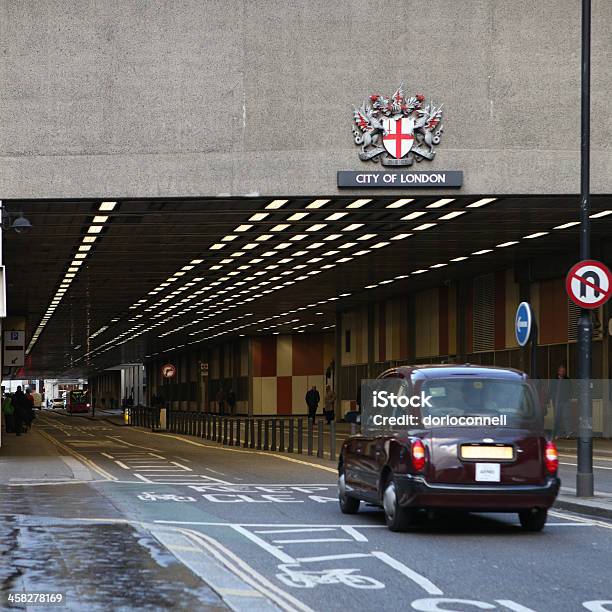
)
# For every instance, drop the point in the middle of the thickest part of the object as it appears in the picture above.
(605, 372)
(370, 339)
(338, 362)
(462, 296)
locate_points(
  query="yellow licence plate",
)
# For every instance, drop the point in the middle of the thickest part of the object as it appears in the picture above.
(486, 452)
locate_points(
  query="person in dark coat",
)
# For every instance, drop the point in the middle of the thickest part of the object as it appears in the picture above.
(231, 401)
(560, 394)
(8, 410)
(30, 416)
(20, 408)
(312, 401)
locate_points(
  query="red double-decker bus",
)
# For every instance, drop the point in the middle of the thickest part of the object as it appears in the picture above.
(77, 401)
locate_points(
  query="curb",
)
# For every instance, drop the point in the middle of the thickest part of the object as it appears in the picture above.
(590, 508)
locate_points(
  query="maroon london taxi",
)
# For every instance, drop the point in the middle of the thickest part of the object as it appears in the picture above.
(501, 468)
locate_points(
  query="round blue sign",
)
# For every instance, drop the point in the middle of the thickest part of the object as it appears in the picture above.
(523, 323)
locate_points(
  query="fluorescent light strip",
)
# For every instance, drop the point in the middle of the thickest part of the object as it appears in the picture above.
(400, 203)
(480, 203)
(536, 235)
(440, 203)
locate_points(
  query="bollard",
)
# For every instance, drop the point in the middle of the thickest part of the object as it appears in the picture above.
(281, 444)
(320, 438)
(273, 444)
(220, 430)
(332, 440)
(245, 440)
(259, 424)
(252, 433)
(290, 448)
(310, 433)
(231, 427)
(266, 435)
(225, 431)
(300, 434)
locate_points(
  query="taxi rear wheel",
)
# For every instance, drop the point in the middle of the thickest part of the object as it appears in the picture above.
(533, 519)
(348, 504)
(397, 518)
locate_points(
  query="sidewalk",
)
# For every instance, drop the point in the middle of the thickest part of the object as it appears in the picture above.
(32, 458)
(601, 447)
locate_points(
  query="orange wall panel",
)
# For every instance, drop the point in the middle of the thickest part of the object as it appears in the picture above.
(308, 354)
(500, 311)
(264, 356)
(553, 312)
(283, 395)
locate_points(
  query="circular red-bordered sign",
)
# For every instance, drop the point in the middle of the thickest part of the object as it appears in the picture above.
(589, 284)
(168, 371)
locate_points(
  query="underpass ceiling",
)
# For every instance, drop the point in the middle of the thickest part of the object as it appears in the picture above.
(164, 274)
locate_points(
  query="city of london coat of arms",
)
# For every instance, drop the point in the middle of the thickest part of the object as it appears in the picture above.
(397, 130)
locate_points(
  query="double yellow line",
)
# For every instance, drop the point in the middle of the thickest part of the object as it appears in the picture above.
(88, 462)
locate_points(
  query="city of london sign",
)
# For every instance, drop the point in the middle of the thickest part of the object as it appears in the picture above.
(397, 130)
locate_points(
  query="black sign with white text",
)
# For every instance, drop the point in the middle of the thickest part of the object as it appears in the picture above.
(383, 178)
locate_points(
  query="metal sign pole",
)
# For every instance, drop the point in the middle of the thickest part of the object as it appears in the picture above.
(584, 475)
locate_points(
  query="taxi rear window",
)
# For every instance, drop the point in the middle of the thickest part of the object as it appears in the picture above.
(480, 397)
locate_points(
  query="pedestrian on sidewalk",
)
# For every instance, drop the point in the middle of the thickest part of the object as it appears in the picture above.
(231, 402)
(560, 394)
(30, 416)
(312, 401)
(37, 398)
(330, 404)
(8, 410)
(221, 401)
(20, 407)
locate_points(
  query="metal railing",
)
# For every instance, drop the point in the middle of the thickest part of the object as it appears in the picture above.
(283, 434)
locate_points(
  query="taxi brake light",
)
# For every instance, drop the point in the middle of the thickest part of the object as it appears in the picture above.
(418, 455)
(551, 458)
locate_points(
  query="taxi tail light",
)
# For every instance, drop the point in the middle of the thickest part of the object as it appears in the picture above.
(418, 455)
(551, 457)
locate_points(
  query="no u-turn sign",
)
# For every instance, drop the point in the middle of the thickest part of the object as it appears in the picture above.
(589, 284)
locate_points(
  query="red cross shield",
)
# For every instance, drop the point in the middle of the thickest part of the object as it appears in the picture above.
(399, 136)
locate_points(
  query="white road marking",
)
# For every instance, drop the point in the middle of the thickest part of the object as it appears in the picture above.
(215, 471)
(312, 540)
(333, 557)
(273, 550)
(248, 574)
(424, 583)
(107, 455)
(141, 477)
(222, 524)
(512, 605)
(184, 467)
(580, 519)
(356, 535)
(568, 525)
(122, 465)
(300, 530)
(154, 455)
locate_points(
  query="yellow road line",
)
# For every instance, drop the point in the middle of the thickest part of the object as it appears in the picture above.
(88, 462)
(253, 452)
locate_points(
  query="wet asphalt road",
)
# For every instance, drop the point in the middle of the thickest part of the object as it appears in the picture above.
(274, 521)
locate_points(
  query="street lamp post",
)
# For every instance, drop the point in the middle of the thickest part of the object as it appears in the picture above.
(584, 451)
